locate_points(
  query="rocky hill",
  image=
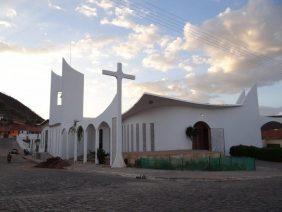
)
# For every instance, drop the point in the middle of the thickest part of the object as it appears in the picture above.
(13, 111)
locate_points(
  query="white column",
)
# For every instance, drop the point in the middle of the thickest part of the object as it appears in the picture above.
(118, 160)
(85, 140)
(75, 147)
(67, 147)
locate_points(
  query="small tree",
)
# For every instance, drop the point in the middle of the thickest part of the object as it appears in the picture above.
(101, 155)
(79, 133)
(191, 132)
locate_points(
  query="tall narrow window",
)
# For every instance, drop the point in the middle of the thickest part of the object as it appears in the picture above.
(132, 138)
(59, 98)
(127, 138)
(144, 137)
(137, 137)
(123, 138)
(152, 136)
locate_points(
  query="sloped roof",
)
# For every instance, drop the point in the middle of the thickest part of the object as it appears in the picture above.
(148, 101)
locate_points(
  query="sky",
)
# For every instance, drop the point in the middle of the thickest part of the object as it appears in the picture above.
(204, 51)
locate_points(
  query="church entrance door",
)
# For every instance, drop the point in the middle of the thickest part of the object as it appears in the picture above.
(202, 139)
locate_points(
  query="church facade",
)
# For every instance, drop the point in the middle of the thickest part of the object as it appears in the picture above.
(154, 123)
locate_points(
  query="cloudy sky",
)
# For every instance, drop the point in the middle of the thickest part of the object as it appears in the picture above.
(206, 51)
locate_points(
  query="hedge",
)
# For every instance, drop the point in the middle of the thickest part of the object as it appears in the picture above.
(268, 154)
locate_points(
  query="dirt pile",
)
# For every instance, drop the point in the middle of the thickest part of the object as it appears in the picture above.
(53, 163)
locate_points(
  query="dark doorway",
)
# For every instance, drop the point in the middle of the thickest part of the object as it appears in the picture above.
(100, 139)
(46, 141)
(202, 139)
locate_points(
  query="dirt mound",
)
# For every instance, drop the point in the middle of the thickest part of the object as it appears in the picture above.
(53, 163)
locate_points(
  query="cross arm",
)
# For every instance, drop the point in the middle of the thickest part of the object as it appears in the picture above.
(110, 73)
(128, 76)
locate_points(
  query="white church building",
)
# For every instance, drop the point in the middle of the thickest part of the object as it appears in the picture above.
(153, 123)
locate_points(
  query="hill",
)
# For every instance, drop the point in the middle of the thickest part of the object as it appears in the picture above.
(13, 111)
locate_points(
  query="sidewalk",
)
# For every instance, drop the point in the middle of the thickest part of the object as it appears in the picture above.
(264, 170)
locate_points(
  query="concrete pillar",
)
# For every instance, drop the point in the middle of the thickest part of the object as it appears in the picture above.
(67, 147)
(85, 140)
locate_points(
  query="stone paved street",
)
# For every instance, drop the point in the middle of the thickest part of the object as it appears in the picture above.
(24, 188)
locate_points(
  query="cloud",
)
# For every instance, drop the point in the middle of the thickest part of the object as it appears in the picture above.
(175, 88)
(165, 59)
(6, 47)
(34, 64)
(5, 24)
(87, 10)
(54, 6)
(93, 48)
(122, 18)
(266, 110)
(104, 4)
(256, 27)
(158, 62)
(11, 13)
(143, 37)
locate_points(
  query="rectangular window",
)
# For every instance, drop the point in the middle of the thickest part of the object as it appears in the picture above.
(127, 138)
(59, 98)
(137, 137)
(144, 137)
(152, 133)
(132, 138)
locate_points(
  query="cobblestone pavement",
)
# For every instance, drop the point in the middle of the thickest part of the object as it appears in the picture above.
(24, 188)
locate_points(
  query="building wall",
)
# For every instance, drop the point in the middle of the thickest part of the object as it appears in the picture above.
(72, 94)
(240, 124)
(55, 109)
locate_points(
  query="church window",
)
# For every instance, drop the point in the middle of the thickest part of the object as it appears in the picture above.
(152, 133)
(132, 138)
(127, 138)
(59, 98)
(144, 136)
(137, 137)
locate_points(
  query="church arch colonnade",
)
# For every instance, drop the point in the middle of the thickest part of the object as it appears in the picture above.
(93, 135)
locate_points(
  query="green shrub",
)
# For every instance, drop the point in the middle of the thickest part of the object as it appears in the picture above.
(273, 146)
(268, 154)
(101, 155)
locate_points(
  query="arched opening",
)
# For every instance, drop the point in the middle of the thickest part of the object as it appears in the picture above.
(104, 139)
(80, 135)
(71, 136)
(271, 134)
(64, 144)
(90, 131)
(201, 140)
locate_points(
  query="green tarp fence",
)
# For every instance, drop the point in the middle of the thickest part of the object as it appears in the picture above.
(207, 163)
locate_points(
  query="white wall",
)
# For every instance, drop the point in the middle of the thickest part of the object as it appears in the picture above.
(55, 110)
(31, 146)
(240, 124)
(72, 94)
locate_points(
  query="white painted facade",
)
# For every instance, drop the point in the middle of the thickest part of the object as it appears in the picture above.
(32, 145)
(154, 123)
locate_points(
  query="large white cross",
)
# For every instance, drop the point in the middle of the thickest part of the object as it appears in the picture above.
(119, 75)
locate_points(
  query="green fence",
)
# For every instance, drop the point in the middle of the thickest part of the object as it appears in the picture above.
(208, 163)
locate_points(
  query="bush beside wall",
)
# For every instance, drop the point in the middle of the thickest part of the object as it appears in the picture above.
(268, 154)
